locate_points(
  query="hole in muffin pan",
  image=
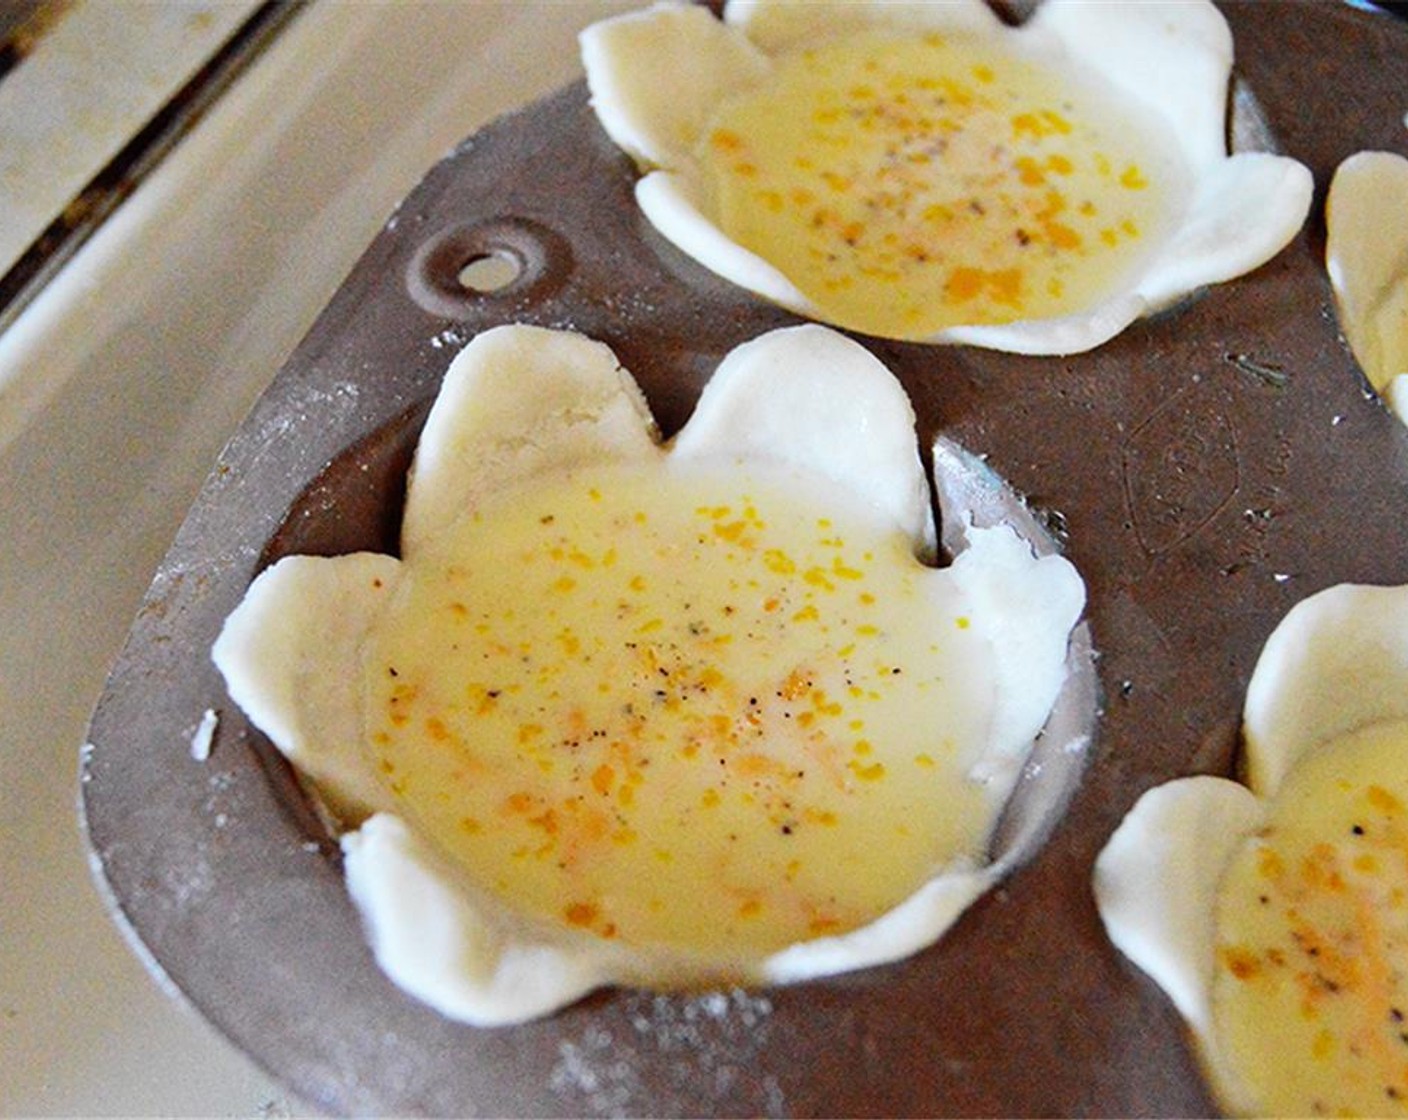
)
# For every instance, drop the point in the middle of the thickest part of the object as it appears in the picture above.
(490, 272)
(461, 269)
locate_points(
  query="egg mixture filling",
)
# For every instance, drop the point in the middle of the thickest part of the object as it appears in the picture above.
(1310, 995)
(718, 714)
(906, 185)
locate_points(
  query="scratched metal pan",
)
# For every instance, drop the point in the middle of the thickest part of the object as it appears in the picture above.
(1204, 470)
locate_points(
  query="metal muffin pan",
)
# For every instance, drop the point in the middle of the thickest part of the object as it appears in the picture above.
(1204, 471)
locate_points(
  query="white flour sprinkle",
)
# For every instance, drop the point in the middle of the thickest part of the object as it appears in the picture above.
(204, 737)
(709, 1043)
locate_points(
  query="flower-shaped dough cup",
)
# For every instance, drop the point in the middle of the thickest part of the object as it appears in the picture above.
(1366, 255)
(1271, 913)
(772, 700)
(967, 202)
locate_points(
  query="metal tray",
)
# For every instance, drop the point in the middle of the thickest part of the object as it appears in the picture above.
(1206, 469)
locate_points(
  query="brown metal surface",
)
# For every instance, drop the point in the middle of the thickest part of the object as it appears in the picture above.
(1210, 468)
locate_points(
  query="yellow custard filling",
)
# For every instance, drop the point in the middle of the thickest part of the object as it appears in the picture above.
(1310, 989)
(714, 709)
(906, 185)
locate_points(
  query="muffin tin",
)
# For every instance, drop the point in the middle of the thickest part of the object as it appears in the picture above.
(1203, 471)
